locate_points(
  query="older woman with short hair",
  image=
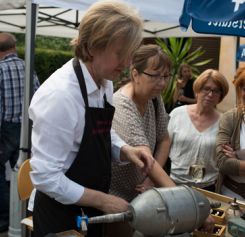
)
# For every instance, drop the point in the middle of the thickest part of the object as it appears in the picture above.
(193, 129)
(230, 144)
(141, 120)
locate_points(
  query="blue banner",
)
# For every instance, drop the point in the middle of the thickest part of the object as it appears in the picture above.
(234, 28)
(224, 17)
(215, 10)
(241, 53)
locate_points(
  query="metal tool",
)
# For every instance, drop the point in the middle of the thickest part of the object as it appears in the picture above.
(162, 211)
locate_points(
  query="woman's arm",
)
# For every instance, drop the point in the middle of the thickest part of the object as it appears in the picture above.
(162, 151)
(226, 164)
(232, 154)
(156, 176)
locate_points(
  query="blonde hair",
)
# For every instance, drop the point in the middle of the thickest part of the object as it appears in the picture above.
(239, 82)
(104, 23)
(215, 76)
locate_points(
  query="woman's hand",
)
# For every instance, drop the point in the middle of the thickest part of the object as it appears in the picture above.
(182, 98)
(229, 151)
(208, 225)
(147, 184)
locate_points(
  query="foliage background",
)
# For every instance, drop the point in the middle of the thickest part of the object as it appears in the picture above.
(179, 52)
(50, 54)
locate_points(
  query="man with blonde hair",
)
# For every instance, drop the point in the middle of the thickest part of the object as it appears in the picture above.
(72, 140)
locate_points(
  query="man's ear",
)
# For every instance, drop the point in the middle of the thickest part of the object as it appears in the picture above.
(91, 52)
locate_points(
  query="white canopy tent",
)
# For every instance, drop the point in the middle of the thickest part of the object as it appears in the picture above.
(11, 5)
(61, 18)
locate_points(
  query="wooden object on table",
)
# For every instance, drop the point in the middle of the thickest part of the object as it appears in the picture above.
(219, 231)
(70, 233)
(219, 215)
(224, 200)
(219, 197)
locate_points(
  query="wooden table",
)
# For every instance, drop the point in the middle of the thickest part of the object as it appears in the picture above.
(70, 233)
(224, 200)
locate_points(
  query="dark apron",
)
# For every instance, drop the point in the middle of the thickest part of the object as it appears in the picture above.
(91, 168)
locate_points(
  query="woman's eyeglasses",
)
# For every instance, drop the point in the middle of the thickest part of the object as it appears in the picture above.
(158, 77)
(207, 90)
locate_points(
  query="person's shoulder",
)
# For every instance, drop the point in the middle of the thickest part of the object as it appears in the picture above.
(11, 56)
(230, 111)
(120, 99)
(159, 99)
(178, 110)
(230, 114)
(117, 94)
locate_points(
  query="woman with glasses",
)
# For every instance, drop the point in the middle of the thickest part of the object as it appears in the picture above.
(192, 129)
(140, 119)
(230, 145)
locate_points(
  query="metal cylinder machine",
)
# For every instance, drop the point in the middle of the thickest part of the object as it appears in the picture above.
(162, 211)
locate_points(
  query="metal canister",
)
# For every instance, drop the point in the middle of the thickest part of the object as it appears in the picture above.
(162, 211)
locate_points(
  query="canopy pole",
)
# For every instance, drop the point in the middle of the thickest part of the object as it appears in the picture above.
(17, 208)
(237, 47)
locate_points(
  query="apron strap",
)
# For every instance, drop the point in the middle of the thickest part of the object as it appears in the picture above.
(81, 80)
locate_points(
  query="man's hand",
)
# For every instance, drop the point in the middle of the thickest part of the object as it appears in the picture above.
(102, 201)
(113, 204)
(139, 156)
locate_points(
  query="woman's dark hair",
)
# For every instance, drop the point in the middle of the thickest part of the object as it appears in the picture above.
(152, 55)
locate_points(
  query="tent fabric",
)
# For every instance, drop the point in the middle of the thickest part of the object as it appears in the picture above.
(158, 10)
(160, 20)
(6, 4)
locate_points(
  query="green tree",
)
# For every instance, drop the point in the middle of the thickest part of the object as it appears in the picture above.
(178, 50)
(50, 53)
(46, 42)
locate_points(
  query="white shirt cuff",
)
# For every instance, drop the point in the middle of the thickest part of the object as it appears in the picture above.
(73, 193)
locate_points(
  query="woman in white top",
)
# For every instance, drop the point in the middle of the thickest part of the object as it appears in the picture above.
(193, 129)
